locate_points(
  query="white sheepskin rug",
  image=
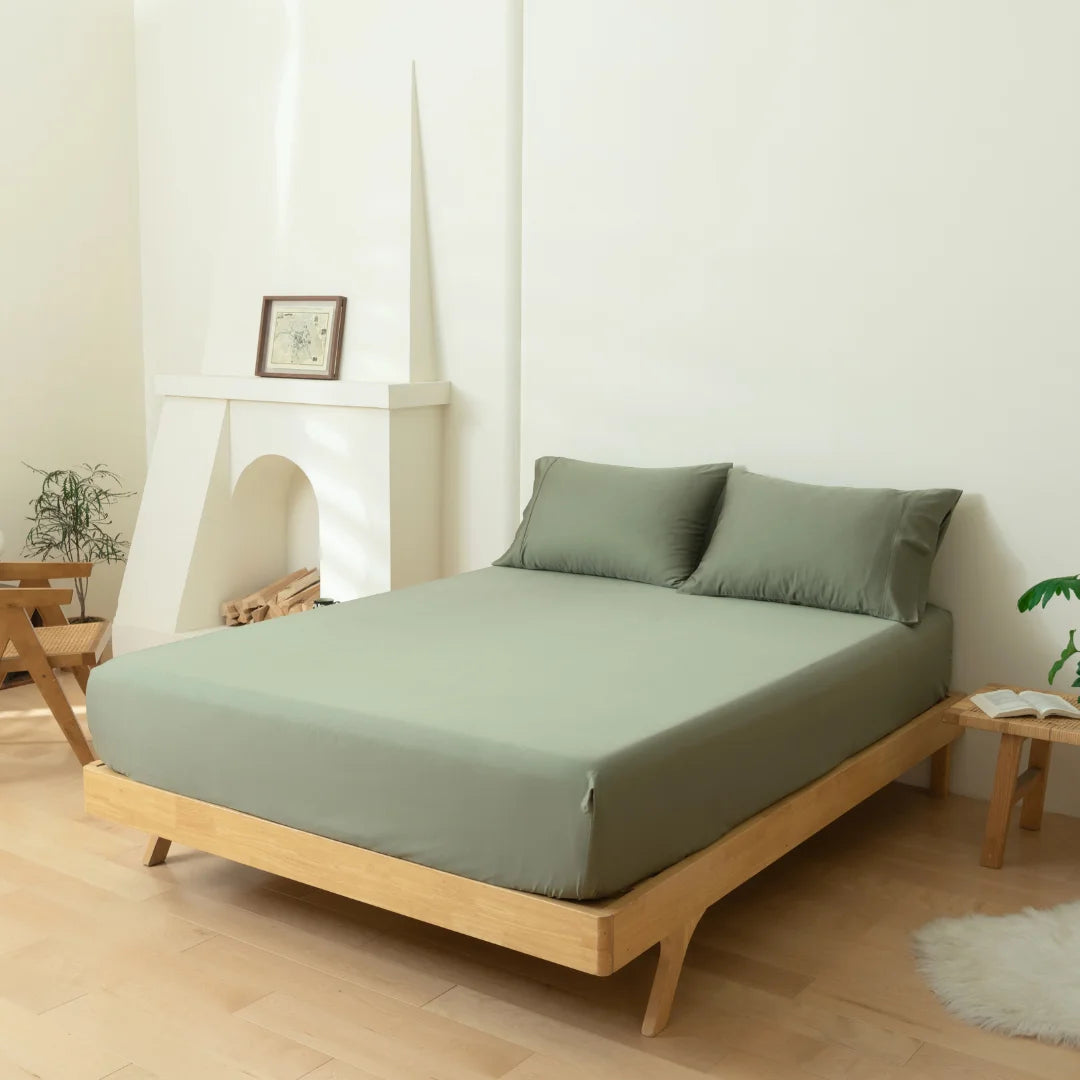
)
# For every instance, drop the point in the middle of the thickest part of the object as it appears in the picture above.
(1017, 974)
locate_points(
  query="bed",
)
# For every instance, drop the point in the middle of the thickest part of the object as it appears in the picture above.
(572, 766)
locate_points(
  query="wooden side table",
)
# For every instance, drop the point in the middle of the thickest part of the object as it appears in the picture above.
(1010, 788)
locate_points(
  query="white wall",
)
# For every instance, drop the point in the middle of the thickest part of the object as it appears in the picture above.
(834, 241)
(71, 377)
(277, 144)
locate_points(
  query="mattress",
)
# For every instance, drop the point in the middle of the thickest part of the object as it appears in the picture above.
(552, 733)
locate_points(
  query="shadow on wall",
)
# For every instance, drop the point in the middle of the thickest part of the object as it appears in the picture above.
(979, 578)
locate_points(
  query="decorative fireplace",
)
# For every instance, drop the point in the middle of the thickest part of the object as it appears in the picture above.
(251, 478)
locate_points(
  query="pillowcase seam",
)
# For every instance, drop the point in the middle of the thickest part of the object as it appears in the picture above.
(897, 539)
(532, 510)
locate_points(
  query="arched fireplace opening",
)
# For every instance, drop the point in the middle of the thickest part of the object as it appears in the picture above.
(274, 527)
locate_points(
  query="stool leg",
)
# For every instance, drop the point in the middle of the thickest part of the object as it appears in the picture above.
(1031, 814)
(1001, 802)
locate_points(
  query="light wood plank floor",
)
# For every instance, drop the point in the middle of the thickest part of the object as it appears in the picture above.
(200, 969)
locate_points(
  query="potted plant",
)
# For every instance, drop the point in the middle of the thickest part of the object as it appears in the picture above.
(1041, 595)
(71, 521)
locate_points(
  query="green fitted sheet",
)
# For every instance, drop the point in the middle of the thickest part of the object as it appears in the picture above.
(549, 732)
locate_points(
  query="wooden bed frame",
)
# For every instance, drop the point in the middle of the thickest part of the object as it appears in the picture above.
(593, 936)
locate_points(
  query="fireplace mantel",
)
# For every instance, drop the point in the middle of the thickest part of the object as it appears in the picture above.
(371, 452)
(341, 392)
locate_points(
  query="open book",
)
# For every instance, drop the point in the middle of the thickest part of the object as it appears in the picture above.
(1002, 703)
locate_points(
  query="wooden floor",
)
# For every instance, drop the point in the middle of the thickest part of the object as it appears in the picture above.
(201, 969)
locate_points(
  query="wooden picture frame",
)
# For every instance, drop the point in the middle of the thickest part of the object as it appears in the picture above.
(596, 936)
(299, 348)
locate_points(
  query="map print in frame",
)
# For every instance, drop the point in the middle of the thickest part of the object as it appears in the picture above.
(300, 337)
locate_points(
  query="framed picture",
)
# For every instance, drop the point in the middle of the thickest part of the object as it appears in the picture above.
(300, 337)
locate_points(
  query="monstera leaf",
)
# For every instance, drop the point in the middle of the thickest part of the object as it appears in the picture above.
(1069, 651)
(1045, 591)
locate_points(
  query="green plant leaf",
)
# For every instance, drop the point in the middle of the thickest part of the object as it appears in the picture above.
(1076, 681)
(1045, 591)
(1069, 650)
(70, 519)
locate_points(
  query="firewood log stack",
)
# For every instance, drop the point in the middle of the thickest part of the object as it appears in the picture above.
(295, 592)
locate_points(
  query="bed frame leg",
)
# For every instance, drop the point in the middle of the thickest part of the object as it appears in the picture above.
(156, 851)
(668, 969)
(940, 768)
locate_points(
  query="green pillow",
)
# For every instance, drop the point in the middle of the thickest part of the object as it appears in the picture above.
(866, 550)
(614, 521)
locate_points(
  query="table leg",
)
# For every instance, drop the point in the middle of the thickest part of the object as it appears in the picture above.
(1001, 802)
(1031, 814)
